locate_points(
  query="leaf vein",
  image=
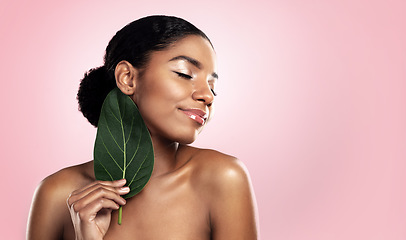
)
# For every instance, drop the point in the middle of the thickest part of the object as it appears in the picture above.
(105, 147)
(139, 168)
(136, 150)
(112, 136)
(113, 115)
(131, 130)
(105, 169)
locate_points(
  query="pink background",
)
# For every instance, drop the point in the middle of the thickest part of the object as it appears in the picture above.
(312, 97)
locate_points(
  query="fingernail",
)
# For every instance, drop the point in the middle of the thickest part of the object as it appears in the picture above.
(125, 189)
(121, 181)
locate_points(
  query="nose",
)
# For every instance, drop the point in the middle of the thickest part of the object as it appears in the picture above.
(203, 93)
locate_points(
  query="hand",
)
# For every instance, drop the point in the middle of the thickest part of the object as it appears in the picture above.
(90, 207)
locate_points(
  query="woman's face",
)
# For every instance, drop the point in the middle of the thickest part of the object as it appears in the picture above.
(175, 93)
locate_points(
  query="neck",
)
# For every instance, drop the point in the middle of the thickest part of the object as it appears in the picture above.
(165, 156)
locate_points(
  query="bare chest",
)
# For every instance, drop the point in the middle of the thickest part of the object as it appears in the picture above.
(163, 210)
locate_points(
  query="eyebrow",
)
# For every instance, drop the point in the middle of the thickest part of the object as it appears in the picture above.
(193, 62)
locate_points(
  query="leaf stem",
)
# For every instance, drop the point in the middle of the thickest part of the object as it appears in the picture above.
(120, 214)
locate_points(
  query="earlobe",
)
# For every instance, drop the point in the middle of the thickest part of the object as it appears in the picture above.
(126, 77)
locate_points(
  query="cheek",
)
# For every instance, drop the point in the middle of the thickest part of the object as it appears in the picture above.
(170, 89)
(159, 95)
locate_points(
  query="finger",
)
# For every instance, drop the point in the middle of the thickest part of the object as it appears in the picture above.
(89, 213)
(100, 193)
(68, 200)
(116, 183)
(95, 187)
(81, 193)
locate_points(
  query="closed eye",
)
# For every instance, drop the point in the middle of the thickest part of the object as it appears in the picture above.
(183, 75)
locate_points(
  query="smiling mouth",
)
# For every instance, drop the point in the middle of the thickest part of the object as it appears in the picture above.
(197, 115)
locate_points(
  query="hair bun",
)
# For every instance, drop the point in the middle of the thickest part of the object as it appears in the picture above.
(93, 89)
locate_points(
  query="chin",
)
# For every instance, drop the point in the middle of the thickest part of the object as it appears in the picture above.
(187, 138)
(180, 134)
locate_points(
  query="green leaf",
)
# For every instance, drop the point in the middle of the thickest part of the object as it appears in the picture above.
(123, 146)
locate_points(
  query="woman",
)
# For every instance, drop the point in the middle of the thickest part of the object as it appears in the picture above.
(168, 68)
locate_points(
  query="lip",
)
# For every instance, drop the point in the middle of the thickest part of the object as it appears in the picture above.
(196, 114)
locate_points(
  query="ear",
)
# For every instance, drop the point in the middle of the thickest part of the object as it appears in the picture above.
(126, 77)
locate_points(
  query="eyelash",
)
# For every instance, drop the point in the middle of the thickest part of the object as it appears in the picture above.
(190, 77)
(183, 75)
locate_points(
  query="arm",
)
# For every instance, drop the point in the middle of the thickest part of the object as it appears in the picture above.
(48, 212)
(233, 210)
(56, 206)
(90, 207)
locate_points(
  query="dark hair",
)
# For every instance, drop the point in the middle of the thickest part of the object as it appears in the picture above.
(132, 43)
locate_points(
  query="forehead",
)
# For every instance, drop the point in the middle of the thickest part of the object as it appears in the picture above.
(192, 46)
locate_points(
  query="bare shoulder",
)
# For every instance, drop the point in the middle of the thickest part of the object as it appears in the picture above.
(49, 201)
(65, 181)
(224, 183)
(218, 169)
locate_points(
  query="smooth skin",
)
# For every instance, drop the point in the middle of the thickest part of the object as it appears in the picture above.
(192, 194)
